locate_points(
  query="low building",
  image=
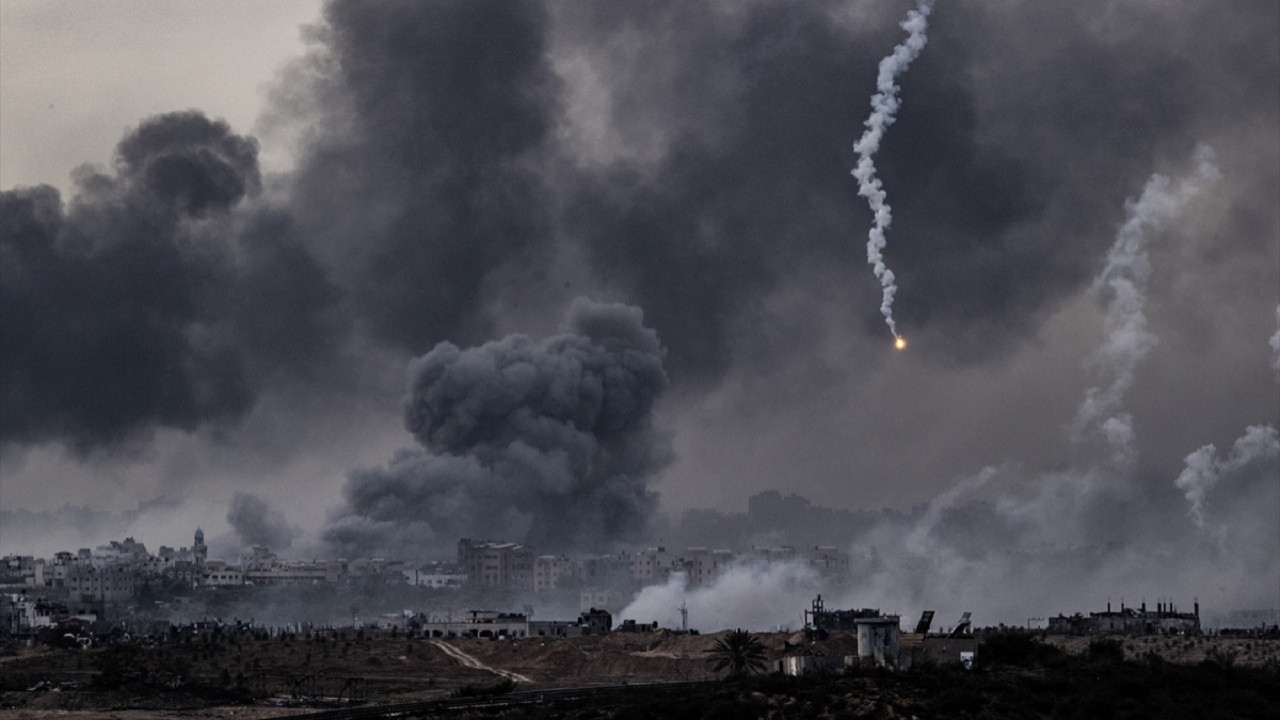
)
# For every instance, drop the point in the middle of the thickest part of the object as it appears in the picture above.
(219, 574)
(918, 649)
(877, 633)
(591, 622)
(810, 662)
(1163, 620)
(437, 575)
(478, 624)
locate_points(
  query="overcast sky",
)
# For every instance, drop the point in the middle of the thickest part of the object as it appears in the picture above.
(276, 221)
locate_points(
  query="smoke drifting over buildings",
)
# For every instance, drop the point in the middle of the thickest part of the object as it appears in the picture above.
(183, 324)
(256, 523)
(548, 442)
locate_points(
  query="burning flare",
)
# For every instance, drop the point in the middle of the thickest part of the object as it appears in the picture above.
(900, 343)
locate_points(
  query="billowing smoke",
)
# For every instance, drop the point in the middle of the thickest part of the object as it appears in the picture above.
(257, 523)
(1067, 539)
(755, 595)
(884, 107)
(1258, 448)
(1124, 283)
(545, 442)
(139, 304)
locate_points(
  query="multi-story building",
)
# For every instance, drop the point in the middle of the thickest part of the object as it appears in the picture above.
(219, 574)
(110, 583)
(828, 560)
(550, 570)
(496, 564)
(704, 566)
(653, 565)
(607, 570)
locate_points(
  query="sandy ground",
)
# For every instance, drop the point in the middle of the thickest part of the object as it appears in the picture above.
(403, 670)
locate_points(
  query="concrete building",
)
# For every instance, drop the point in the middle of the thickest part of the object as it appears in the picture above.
(704, 566)
(877, 633)
(878, 641)
(1164, 619)
(496, 564)
(590, 622)
(591, 598)
(958, 646)
(438, 575)
(654, 565)
(219, 574)
(608, 571)
(550, 570)
(810, 662)
(478, 624)
(110, 583)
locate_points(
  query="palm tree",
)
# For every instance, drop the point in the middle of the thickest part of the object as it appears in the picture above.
(739, 651)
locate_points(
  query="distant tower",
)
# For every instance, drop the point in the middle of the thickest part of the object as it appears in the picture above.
(198, 550)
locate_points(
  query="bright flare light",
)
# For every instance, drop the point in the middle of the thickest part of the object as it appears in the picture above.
(900, 343)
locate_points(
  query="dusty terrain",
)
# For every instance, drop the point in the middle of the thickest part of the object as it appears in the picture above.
(247, 676)
(216, 676)
(1244, 652)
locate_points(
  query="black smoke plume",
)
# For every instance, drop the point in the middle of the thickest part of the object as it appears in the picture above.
(430, 119)
(140, 304)
(545, 442)
(257, 523)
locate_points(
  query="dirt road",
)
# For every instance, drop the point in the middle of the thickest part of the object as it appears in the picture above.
(469, 661)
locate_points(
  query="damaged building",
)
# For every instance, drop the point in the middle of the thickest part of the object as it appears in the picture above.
(1165, 619)
(877, 633)
(958, 646)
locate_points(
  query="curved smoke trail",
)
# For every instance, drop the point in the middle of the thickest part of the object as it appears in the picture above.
(1123, 283)
(884, 106)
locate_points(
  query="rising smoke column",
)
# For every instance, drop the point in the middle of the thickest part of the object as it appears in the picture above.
(884, 106)
(257, 523)
(545, 442)
(1123, 283)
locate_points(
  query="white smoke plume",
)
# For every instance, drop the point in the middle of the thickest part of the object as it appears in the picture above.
(884, 108)
(1259, 446)
(1123, 282)
(752, 595)
(1275, 346)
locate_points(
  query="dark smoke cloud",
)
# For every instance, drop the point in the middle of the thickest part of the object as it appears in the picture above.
(546, 442)
(257, 523)
(1004, 180)
(421, 172)
(458, 158)
(137, 305)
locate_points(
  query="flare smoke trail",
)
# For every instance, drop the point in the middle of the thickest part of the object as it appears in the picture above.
(884, 106)
(1124, 282)
(1259, 445)
(1275, 346)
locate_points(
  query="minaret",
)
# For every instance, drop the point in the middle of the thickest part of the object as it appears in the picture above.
(198, 550)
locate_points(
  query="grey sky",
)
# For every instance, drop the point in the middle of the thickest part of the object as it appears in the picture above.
(464, 171)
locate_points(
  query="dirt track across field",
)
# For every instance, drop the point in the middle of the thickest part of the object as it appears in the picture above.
(471, 662)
